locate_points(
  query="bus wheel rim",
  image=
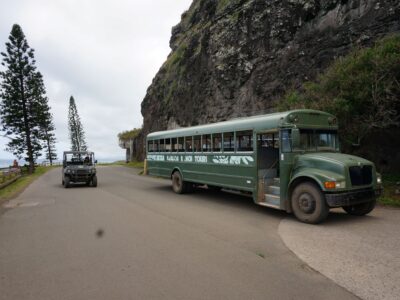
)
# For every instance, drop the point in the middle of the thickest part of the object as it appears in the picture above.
(307, 203)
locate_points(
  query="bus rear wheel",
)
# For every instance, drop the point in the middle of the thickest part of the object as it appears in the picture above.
(360, 209)
(178, 185)
(308, 203)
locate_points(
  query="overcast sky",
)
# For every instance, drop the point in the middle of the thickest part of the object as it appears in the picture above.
(104, 53)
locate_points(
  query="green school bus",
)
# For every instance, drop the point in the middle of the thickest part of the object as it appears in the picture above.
(288, 160)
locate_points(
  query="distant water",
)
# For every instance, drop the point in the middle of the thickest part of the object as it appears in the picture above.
(5, 163)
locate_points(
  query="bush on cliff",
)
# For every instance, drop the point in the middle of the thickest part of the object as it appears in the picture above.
(362, 89)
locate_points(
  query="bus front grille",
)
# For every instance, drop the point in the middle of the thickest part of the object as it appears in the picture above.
(360, 175)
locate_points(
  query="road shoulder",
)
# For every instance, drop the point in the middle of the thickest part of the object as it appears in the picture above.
(360, 254)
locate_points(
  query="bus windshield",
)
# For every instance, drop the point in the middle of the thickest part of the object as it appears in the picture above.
(318, 140)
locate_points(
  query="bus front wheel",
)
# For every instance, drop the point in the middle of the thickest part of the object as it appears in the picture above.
(308, 203)
(178, 185)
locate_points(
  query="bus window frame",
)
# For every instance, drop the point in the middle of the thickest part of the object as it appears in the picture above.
(183, 145)
(204, 142)
(186, 149)
(220, 135)
(237, 141)
(193, 144)
(161, 150)
(223, 142)
(148, 146)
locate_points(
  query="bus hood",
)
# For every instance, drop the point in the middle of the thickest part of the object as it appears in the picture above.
(329, 165)
(333, 159)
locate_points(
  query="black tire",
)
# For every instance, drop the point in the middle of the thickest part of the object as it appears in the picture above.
(308, 203)
(66, 182)
(361, 209)
(177, 183)
(94, 181)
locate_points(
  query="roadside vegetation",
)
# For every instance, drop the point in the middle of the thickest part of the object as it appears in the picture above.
(15, 188)
(362, 89)
(129, 134)
(391, 193)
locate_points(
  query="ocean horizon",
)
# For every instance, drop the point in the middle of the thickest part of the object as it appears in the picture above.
(5, 163)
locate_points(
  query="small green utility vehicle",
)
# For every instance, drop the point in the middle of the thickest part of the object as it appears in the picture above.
(79, 167)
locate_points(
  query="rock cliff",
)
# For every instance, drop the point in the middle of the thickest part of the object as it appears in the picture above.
(238, 57)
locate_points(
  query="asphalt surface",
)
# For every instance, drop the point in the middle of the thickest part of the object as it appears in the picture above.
(133, 238)
(359, 253)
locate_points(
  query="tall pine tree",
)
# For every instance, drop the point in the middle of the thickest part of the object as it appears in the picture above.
(46, 124)
(23, 108)
(76, 133)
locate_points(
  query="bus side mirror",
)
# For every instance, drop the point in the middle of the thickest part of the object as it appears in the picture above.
(295, 138)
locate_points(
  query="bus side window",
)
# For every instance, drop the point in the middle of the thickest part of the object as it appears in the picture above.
(197, 143)
(228, 142)
(244, 140)
(174, 146)
(162, 145)
(217, 139)
(156, 146)
(150, 146)
(188, 144)
(180, 145)
(167, 145)
(206, 143)
(268, 140)
(286, 141)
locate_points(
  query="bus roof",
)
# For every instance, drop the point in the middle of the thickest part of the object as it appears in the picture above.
(303, 117)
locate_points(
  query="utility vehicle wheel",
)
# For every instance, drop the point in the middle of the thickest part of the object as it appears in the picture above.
(94, 181)
(178, 185)
(66, 182)
(308, 203)
(360, 209)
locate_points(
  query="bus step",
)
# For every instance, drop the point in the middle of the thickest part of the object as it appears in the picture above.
(272, 200)
(273, 189)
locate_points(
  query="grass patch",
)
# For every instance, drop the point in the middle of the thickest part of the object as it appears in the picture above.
(18, 186)
(390, 186)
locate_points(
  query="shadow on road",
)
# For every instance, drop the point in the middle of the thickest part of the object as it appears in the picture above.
(336, 216)
(224, 198)
(235, 200)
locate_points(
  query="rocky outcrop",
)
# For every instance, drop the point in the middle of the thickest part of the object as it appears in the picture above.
(234, 58)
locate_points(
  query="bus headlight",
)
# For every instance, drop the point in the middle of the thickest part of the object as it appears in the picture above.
(378, 179)
(340, 184)
(334, 184)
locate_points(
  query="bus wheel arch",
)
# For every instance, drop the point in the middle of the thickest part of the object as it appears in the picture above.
(307, 201)
(176, 169)
(180, 186)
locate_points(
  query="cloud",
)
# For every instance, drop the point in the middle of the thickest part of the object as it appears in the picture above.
(104, 53)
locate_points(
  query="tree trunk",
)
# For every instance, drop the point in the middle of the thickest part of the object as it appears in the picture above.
(49, 149)
(27, 129)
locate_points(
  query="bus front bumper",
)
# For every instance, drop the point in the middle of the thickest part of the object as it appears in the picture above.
(351, 198)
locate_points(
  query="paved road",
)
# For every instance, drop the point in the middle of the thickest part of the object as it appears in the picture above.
(360, 254)
(133, 238)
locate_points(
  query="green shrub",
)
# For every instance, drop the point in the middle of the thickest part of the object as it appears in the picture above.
(362, 89)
